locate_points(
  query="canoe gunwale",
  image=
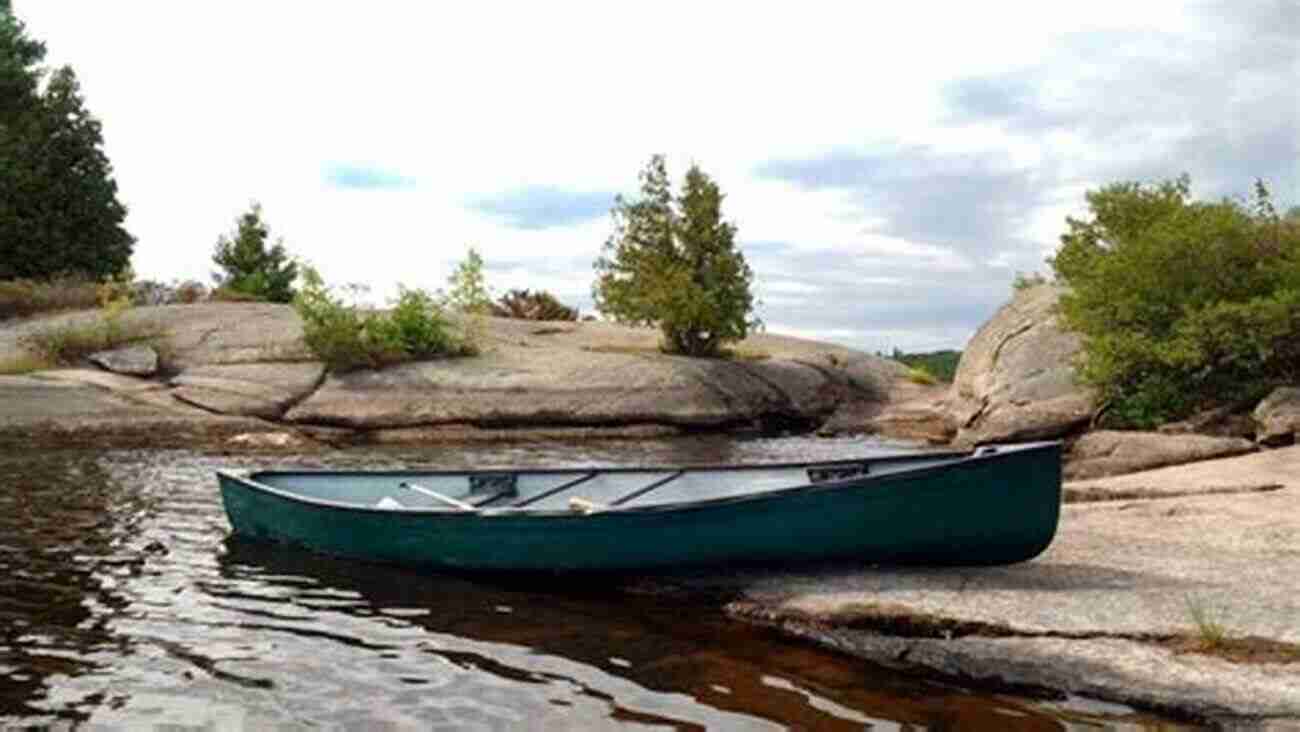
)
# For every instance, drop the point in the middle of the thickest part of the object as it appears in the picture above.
(956, 460)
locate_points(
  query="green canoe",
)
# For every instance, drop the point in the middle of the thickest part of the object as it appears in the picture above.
(993, 505)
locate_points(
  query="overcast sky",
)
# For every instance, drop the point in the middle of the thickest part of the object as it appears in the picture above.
(890, 166)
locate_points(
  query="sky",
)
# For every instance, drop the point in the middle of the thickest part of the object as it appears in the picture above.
(890, 166)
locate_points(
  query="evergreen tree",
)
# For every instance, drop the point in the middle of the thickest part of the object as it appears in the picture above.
(248, 266)
(59, 212)
(673, 262)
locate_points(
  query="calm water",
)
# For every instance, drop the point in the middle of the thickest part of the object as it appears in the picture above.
(124, 604)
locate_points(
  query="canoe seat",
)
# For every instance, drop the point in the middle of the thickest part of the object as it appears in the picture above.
(825, 473)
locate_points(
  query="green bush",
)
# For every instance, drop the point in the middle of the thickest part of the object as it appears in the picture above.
(527, 305)
(251, 267)
(672, 261)
(346, 338)
(1182, 304)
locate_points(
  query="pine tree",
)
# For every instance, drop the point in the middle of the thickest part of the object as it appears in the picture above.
(59, 211)
(673, 262)
(248, 266)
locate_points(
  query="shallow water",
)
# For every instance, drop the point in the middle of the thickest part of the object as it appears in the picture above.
(125, 604)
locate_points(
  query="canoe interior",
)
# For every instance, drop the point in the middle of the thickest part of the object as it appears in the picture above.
(537, 490)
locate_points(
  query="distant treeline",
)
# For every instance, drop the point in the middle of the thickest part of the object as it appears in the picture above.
(942, 365)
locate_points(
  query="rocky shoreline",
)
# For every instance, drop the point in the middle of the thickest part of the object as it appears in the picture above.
(1107, 612)
(1111, 611)
(241, 369)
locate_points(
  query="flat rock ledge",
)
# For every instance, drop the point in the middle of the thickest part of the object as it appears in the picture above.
(1114, 452)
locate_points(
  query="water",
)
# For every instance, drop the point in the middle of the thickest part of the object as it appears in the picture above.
(124, 604)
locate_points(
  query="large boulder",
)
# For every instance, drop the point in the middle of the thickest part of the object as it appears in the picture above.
(1112, 452)
(1277, 417)
(1016, 379)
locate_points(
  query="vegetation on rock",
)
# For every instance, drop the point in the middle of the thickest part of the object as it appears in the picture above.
(59, 212)
(672, 261)
(250, 270)
(345, 337)
(528, 305)
(66, 344)
(21, 298)
(1182, 304)
(467, 290)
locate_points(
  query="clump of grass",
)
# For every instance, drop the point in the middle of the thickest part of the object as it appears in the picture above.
(23, 298)
(919, 375)
(23, 363)
(69, 343)
(1210, 630)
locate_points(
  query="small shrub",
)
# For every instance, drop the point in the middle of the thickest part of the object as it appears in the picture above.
(527, 305)
(345, 338)
(468, 290)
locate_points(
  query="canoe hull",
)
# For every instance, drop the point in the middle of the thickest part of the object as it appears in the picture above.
(995, 510)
